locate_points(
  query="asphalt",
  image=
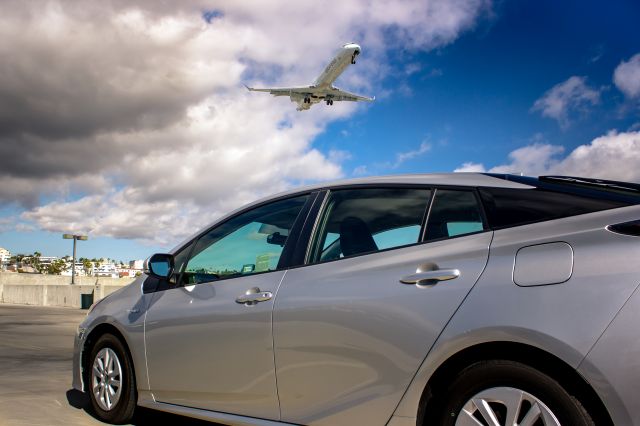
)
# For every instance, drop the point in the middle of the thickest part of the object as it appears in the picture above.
(36, 348)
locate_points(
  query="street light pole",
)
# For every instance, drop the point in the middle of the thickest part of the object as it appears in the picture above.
(73, 265)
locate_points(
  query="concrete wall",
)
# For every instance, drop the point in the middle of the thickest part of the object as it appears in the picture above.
(55, 290)
(15, 278)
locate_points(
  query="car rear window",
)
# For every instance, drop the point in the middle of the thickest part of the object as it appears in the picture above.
(506, 207)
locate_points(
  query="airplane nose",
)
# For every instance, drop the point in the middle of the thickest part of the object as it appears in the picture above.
(353, 46)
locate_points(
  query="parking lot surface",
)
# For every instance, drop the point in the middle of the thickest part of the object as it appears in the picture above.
(36, 348)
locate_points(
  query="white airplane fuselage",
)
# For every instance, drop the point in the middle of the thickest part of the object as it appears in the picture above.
(345, 57)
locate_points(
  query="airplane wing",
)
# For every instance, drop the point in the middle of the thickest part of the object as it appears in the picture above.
(305, 97)
(342, 95)
(283, 91)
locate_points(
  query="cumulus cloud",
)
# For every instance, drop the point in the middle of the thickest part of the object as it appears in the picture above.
(129, 119)
(626, 77)
(563, 99)
(599, 159)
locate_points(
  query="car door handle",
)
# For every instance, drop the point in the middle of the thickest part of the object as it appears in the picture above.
(431, 277)
(254, 295)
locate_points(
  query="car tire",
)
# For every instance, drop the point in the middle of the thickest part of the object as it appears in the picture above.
(111, 381)
(502, 388)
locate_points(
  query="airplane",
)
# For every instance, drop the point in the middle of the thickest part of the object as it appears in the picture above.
(322, 88)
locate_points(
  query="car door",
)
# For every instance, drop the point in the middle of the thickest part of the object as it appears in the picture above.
(208, 335)
(348, 334)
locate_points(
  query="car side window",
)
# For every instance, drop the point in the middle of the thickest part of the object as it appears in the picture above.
(453, 213)
(359, 221)
(249, 243)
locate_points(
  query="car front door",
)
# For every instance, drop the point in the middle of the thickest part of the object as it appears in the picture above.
(349, 335)
(208, 334)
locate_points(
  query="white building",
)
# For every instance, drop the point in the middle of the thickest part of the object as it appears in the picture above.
(47, 260)
(5, 255)
(80, 272)
(136, 264)
(106, 270)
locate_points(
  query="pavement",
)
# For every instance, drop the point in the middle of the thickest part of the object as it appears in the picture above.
(36, 349)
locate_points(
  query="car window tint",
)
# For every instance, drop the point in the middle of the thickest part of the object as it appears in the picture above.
(358, 221)
(453, 213)
(397, 237)
(246, 244)
(507, 207)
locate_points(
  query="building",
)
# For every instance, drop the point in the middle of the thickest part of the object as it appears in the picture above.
(136, 264)
(106, 270)
(80, 272)
(128, 272)
(5, 255)
(45, 261)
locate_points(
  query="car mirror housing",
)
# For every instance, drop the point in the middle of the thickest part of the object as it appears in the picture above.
(160, 265)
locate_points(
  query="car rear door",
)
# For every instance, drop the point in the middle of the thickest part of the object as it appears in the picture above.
(348, 334)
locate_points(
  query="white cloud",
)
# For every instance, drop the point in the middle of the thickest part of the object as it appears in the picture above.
(6, 224)
(471, 167)
(132, 119)
(402, 157)
(613, 156)
(563, 99)
(627, 77)
(360, 171)
(531, 158)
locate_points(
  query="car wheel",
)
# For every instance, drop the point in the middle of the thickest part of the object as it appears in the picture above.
(501, 393)
(112, 382)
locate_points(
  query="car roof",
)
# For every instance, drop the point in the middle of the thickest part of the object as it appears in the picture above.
(439, 179)
(452, 179)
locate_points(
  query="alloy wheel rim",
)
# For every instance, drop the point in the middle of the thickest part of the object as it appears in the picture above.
(106, 379)
(505, 406)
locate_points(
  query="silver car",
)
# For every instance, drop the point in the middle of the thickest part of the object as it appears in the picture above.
(443, 299)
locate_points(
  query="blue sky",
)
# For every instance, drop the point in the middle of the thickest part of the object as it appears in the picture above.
(463, 100)
(478, 109)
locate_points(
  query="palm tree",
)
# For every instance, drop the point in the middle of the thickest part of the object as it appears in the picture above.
(87, 265)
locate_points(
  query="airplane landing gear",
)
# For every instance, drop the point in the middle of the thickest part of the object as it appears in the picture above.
(329, 101)
(307, 100)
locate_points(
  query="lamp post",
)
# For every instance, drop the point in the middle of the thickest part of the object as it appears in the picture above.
(74, 238)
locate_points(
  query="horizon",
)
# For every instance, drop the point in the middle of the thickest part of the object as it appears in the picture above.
(131, 122)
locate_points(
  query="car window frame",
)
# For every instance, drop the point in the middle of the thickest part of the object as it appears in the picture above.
(483, 215)
(319, 217)
(287, 253)
(323, 200)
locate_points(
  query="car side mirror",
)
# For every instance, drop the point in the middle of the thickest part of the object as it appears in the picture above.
(160, 265)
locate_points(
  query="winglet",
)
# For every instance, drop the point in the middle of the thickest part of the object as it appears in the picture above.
(248, 88)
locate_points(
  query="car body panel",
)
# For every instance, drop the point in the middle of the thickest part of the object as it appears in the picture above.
(349, 336)
(498, 310)
(205, 350)
(124, 309)
(212, 416)
(613, 365)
